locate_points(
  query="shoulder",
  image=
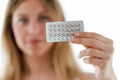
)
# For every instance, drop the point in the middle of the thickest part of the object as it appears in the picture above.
(87, 76)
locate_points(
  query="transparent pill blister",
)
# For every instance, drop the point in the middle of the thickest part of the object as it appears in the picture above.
(62, 31)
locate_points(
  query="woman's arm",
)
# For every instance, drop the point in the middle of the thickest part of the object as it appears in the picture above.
(87, 76)
(105, 74)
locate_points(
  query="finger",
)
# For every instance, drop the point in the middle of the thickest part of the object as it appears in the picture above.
(93, 43)
(94, 53)
(93, 35)
(95, 61)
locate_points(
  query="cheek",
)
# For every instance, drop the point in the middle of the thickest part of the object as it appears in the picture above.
(19, 34)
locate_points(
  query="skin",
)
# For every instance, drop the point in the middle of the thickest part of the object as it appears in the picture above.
(28, 24)
(98, 52)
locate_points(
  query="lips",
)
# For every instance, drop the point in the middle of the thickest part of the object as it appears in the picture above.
(34, 41)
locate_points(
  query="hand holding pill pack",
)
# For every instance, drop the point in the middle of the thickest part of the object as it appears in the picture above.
(62, 31)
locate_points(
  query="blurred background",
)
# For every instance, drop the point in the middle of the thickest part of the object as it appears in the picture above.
(101, 16)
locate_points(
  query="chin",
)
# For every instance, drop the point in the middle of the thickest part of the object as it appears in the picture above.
(37, 50)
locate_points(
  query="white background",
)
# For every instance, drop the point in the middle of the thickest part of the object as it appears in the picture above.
(101, 16)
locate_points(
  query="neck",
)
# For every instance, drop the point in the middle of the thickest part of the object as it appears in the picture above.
(39, 65)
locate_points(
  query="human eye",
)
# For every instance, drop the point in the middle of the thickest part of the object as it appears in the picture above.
(23, 20)
(43, 18)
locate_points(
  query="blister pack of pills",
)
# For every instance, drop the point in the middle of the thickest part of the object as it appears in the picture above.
(62, 31)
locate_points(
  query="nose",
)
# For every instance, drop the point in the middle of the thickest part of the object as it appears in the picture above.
(35, 28)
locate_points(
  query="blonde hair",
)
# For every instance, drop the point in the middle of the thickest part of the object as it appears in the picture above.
(63, 59)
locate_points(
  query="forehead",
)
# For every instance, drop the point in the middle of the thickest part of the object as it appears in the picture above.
(30, 6)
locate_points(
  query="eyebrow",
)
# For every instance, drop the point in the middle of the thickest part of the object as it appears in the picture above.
(40, 13)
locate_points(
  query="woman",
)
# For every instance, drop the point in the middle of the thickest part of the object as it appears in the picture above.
(32, 58)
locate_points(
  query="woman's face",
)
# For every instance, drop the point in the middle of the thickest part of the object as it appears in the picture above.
(28, 24)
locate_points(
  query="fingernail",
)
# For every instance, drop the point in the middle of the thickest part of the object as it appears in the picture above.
(77, 34)
(86, 60)
(82, 53)
(87, 51)
(72, 39)
(79, 56)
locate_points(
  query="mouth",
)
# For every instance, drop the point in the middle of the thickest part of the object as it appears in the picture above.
(34, 41)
